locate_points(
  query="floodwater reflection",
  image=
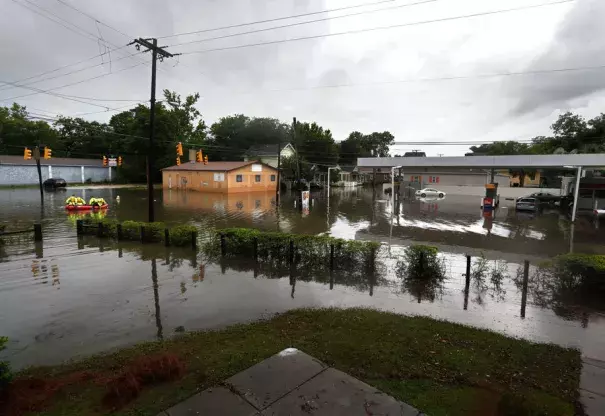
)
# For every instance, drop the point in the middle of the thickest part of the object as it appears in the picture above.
(73, 296)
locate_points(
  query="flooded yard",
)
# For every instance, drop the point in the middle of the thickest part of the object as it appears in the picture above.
(70, 297)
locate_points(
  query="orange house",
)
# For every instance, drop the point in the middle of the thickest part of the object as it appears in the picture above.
(223, 177)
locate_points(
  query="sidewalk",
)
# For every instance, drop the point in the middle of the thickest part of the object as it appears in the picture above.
(292, 383)
(592, 387)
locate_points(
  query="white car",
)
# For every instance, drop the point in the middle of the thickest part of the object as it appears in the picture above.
(598, 213)
(430, 192)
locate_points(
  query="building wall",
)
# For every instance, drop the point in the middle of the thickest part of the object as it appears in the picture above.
(205, 181)
(28, 174)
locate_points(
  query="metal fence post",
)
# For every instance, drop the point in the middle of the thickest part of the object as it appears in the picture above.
(37, 232)
(166, 237)
(331, 257)
(100, 230)
(79, 227)
(291, 252)
(223, 245)
(468, 281)
(142, 233)
(119, 231)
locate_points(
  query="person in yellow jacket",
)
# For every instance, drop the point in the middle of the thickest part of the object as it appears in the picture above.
(71, 200)
(97, 201)
(80, 201)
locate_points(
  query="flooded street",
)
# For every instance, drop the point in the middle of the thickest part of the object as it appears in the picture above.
(70, 297)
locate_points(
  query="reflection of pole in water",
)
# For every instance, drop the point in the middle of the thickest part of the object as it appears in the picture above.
(467, 284)
(571, 235)
(156, 298)
(39, 249)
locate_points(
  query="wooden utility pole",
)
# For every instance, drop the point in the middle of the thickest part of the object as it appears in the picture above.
(278, 174)
(37, 157)
(152, 45)
(296, 149)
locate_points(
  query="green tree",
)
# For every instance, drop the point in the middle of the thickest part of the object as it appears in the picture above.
(315, 145)
(17, 131)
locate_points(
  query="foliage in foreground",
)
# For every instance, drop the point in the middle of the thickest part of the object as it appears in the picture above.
(180, 235)
(439, 367)
(5, 371)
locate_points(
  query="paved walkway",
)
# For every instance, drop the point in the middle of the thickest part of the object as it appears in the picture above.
(592, 387)
(292, 383)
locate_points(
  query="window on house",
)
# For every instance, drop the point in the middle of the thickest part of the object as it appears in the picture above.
(433, 179)
(272, 178)
(239, 178)
(256, 178)
(219, 177)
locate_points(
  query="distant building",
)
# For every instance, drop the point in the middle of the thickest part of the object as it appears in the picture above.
(414, 154)
(267, 153)
(14, 170)
(226, 177)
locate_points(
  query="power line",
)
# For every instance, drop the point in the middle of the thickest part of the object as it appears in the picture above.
(399, 6)
(373, 29)
(275, 19)
(93, 18)
(446, 78)
(22, 85)
(48, 91)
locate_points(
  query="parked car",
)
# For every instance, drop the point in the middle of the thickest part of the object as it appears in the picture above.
(54, 183)
(526, 204)
(598, 213)
(544, 197)
(430, 192)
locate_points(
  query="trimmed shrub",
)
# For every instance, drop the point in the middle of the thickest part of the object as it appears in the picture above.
(5, 372)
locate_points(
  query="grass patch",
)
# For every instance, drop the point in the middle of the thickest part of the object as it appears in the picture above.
(441, 368)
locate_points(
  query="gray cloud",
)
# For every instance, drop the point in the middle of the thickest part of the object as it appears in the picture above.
(579, 42)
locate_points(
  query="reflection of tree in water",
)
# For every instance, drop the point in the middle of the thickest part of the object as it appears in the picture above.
(422, 272)
(571, 285)
(487, 277)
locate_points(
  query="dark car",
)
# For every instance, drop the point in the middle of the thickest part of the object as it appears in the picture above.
(526, 204)
(544, 197)
(55, 183)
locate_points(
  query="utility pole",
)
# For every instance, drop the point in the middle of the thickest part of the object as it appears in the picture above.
(37, 157)
(152, 45)
(296, 149)
(278, 173)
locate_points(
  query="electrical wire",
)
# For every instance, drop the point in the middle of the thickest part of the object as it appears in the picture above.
(94, 18)
(48, 91)
(399, 6)
(378, 28)
(276, 19)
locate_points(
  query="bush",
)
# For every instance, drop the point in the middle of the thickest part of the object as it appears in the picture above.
(5, 373)
(421, 262)
(131, 230)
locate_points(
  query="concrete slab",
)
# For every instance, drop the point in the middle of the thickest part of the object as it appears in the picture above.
(269, 380)
(594, 404)
(592, 379)
(213, 401)
(334, 393)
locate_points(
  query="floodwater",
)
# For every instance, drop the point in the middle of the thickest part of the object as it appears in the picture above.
(68, 297)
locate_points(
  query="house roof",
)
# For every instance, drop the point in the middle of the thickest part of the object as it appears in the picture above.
(214, 166)
(265, 149)
(55, 161)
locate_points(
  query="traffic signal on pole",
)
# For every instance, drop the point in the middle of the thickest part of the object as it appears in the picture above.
(105, 162)
(199, 156)
(179, 149)
(178, 161)
(47, 152)
(206, 160)
(27, 154)
(119, 160)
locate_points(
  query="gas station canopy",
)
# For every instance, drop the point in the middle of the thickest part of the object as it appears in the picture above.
(595, 160)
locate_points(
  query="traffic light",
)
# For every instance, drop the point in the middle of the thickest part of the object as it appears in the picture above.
(119, 160)
(179, 149)
(178, 161)
(27, 154)
(105, 162)
(206, 160)
(199, 157)
(47, 152)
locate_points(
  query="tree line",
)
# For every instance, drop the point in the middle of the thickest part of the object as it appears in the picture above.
(177, 120)
(571, 133)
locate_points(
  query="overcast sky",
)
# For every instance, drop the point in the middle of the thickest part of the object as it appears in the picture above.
(377, 80)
